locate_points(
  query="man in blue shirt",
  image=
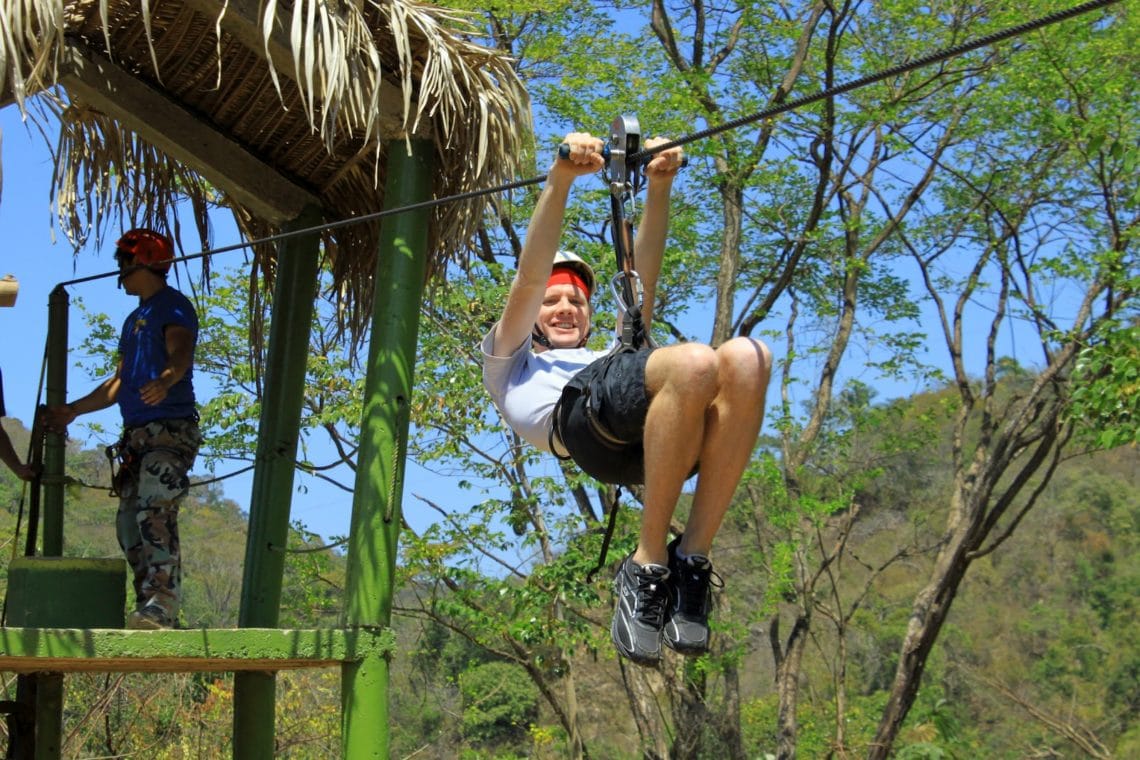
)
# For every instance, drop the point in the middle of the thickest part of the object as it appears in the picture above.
(153, 387)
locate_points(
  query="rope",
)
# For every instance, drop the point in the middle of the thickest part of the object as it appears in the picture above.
(69, 480)
(313, 550)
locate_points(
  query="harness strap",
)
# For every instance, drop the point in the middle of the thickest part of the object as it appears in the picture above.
(118, 453)
(610, 524)
(556, 431)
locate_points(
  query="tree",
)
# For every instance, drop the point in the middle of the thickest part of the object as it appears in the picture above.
(918, 230)
(814, 216)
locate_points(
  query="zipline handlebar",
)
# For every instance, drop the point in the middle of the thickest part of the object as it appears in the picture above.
(645, 156)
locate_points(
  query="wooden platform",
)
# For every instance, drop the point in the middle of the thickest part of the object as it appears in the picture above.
(73, 650)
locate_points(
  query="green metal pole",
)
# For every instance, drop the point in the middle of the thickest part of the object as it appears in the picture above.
(294, 295)
(49, 716)
(55, 444)
(49, 686)
(376, 514)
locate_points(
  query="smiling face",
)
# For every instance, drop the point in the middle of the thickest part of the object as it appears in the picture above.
(564, 317)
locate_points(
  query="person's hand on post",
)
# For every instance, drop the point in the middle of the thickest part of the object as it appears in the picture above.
(663, 165)
(56, 418)
(25, 472)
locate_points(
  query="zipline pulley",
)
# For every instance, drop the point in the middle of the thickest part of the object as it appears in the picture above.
(623, 176)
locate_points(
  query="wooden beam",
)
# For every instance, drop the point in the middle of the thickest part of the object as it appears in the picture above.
(182, 136)
(72, 650)
(242, 21)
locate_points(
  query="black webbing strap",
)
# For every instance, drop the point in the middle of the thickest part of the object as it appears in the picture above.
(606, 537)
(36, 460)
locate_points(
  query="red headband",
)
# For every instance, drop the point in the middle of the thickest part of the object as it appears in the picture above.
(568, 276)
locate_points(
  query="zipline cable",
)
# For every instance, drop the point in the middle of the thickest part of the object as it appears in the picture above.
(902, 68)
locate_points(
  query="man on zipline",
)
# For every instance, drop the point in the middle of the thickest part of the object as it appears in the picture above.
(154, 389)
(628, 417)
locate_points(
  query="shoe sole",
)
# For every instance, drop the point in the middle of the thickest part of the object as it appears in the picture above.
(634, 657)
(142, 623)
(687, 647)
(629, 655)
(687, 650)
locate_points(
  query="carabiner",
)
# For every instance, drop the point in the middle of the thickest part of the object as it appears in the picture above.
(635, 290)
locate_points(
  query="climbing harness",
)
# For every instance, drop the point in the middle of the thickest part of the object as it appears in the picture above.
(121, 459)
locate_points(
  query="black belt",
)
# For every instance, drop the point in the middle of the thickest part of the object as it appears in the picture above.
(555, 433)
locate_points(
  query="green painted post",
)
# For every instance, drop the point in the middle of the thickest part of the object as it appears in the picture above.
(294, 296)
(376, 513)
(49, 686)
(55, 444)
(49, 716)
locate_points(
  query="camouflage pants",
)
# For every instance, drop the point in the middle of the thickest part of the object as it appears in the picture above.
(152, 481)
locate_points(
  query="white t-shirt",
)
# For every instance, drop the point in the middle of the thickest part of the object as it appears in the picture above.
(525, 386)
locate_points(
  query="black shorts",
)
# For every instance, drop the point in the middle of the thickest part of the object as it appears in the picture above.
(601, 418)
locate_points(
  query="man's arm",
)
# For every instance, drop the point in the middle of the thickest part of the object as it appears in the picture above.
(542, 238)
(649, 247)
(179, 357)
(9, 457)
(59, 417)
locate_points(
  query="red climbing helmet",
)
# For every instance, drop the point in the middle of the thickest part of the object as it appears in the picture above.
(148, 248)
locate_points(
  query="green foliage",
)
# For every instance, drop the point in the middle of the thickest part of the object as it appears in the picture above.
(499, 703)
(1105, 396)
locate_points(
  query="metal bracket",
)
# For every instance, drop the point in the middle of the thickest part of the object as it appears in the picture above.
(625, 141)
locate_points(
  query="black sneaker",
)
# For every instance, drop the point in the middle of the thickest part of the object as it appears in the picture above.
(643, 596)
(687, 628)
(150, 618)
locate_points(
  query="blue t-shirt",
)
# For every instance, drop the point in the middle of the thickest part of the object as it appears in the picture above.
(142, 349)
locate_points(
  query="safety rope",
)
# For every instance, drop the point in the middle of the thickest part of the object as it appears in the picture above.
(70, 480)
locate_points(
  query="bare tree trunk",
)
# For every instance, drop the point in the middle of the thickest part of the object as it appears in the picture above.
(733, 220)
(931, 606)
(643, 704)
(841, 695)
(730, 714)
(971, 522)
(690, 718)
(788, 660)
(577, 748)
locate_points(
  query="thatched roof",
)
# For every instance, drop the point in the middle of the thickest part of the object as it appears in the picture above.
(274, 104)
